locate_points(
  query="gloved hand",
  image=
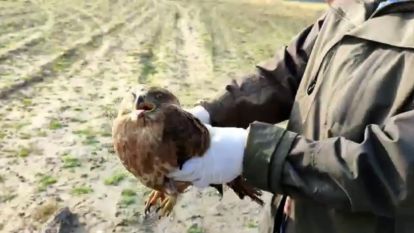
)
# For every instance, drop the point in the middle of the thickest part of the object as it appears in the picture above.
(201, 113)
(221, 163)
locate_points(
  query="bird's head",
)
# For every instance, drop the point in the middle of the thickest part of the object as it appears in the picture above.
(148, 103)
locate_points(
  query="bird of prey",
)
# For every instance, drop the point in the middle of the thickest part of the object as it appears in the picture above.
(154, 136)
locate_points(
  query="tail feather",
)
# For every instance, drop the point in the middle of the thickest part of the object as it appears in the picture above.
(242, 189)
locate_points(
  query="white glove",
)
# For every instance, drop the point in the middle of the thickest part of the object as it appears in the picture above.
(201, 113)
(221, 163)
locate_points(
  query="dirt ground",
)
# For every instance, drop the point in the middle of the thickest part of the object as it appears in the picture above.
(64, 67)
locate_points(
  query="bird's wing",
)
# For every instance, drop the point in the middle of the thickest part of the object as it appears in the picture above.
(189, 135)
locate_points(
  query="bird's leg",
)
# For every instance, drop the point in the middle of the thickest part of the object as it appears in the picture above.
(167, 205)
(152, 200)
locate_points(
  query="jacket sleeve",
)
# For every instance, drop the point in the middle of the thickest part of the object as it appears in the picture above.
(268, 94)
(375, 175)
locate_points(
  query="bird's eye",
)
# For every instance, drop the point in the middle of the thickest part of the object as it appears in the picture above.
(158, 96)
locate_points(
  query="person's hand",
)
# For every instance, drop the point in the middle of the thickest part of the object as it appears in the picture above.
(201, 113)
(222, 162)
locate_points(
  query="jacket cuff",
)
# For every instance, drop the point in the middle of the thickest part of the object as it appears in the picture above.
(265, 153)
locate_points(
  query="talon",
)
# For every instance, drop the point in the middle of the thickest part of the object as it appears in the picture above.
(158, 209)
(152, 201)
(167, 205)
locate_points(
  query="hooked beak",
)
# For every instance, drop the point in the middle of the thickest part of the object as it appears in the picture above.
(141, 104)
(140, 101)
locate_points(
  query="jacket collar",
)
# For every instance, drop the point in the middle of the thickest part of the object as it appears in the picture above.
(392, 24)
(405, 6)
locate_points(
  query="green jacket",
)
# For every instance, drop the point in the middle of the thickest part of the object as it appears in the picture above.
(346, 84)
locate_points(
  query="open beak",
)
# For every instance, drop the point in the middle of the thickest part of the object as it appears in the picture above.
(139, 101)
(145, 107)
(141, 104)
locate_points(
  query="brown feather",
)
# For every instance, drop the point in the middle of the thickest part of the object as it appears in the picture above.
(142, 151)
(242, 189)
(189, 135)
(152, 146)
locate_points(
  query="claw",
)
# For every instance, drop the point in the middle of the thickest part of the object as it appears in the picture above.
(152, 200)
(167, 205)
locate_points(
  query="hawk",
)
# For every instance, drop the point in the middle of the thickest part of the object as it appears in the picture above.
(154, 136)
